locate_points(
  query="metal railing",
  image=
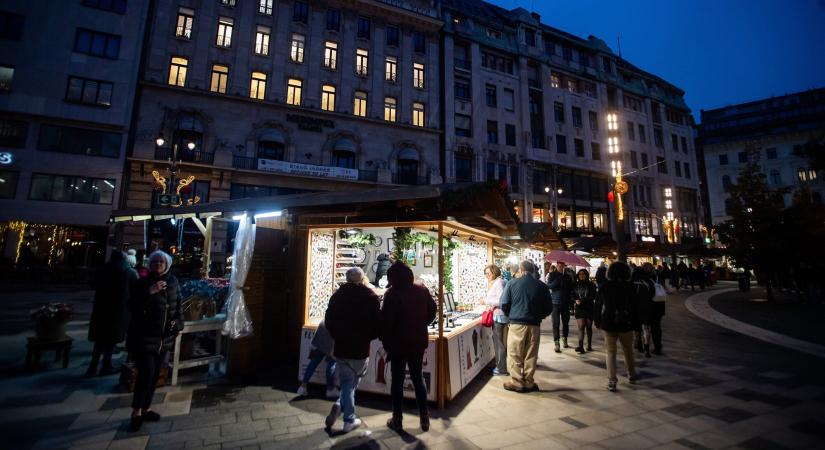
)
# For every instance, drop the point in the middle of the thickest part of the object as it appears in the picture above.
(245, 162)
(186, 155)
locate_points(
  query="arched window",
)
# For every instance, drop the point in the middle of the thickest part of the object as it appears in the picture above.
(407, 166)
(187, 138)
(775, 177)
(343, 154)
(271, 145)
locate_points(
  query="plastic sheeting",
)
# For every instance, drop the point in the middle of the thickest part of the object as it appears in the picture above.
(238, 323)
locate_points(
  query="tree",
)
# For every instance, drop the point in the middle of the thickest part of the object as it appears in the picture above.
(814, 150)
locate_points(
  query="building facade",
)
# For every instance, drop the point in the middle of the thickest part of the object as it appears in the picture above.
(774, 130)
(526, 104)
(67, 82)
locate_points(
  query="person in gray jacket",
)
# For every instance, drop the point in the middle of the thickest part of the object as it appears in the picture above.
(322, 344)
(526, 302)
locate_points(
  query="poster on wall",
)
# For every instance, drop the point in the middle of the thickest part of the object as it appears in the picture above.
(474, 348)
(378, 377)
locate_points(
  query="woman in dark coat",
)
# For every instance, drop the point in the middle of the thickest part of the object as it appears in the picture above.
(584, 294)
(156, 321)
(407, 311)
(615, 315)
(110, 313)
(645, 291)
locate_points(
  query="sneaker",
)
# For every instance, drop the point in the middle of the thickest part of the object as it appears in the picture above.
(349, 426)
(334, 412)
(558, 349)
(395, 424)
(333, 393)
(302, 391)
(611, 386)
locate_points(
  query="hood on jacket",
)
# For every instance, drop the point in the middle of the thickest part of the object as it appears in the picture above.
(400, 275)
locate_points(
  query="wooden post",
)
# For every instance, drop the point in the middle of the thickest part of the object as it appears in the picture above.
(441, 344)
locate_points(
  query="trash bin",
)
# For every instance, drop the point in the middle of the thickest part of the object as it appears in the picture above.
(744, 283)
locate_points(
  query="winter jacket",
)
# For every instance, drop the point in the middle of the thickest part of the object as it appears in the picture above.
(322, 340)
(110, 310)
(381, 267)
(353, 318)
(645, 291)
(407, 311)
(614, 309)
(584, 291)
(526, 301)
(560, 285)
(156, 318)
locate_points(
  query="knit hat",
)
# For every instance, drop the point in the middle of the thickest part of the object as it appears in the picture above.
(131, 257)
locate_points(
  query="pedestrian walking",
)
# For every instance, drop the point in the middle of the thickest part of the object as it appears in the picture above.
(156, 321)
(560, 284)
(110, 311)
(322, 345)
(684, 275)
(495, 287)
(407, 311)
(601, 275)
(526, 302)
(353, 319)
(645, 291)
(614, 315)
(584, 296)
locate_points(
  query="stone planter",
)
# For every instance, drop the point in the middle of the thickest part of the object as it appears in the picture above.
(50, 330)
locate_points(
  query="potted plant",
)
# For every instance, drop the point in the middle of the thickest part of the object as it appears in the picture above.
(50, 320)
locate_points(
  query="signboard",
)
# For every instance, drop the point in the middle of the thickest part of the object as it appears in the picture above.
(309, 170)
(168, 199)
(310, 123)
(6, 158)
(470, 352)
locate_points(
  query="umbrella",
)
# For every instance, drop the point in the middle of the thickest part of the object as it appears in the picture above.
(568, 258)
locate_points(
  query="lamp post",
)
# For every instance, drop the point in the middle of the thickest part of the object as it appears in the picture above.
(167, 197)
(619, 186)
(553, 196)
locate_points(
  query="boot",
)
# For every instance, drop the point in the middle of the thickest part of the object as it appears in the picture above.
(564, 342)
(580, 349)
(558, 349)
(647, 350)
(639, 344)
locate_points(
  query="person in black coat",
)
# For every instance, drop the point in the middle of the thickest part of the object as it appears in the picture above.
(560, 284)
(615, 315)
(110, 312)
(645, 290)
(584, 295)
(156, 321)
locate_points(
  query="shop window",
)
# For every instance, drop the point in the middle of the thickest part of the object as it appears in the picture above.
(565, 220)
(599, 222)
(583, 220)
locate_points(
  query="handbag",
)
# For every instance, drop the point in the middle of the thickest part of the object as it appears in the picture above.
(661, 293)
(487, 318)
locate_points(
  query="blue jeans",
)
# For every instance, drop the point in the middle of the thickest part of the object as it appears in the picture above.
(315, 358)
(350, 371)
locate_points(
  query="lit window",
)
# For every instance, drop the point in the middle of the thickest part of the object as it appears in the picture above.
(389, 109)
(612, 145)
(177, 71)
(297, 52)
(668, 204)
(262, 40)
(669, 192)
(328, 97)
(257, 88)
(802, 174)
(265, 7)
(359, 107)
(392, 68)
(225, 31)
(418, 75)
(418, 114)
(330, 55)
(228, 2)
(186, 17)
(6, 77)
(812, 175)
(361, 61)
(612, 123)
(219, 77)
(293, 92)
(555, 80)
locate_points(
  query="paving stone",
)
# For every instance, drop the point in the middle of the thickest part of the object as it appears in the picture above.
(125, 401)
(687, 409)
(573, 422)
(749, 395)
(690, 444)
(132, 443)
(730, 414)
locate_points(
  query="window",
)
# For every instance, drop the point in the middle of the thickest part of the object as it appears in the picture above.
(494, 34)
(257, 88)
(78, 141)
(578, 145)
(490, 95)
(419, 42)
(770, 153)
(300, 12)
(238, 190)
(262, 40)
(89, 92)
(296, 53)
(510, 134)
(530, 37)
(96, 43)
(593, 118)
(606, 64)
(392, 36)
(658, 138)
(463, 168)
(271, 149)
(418, 75)
(331, 55)
(463, 125)
(549, 46)
(67, 188)
(572, 85)
(742, 156)
(363, 28)
(492, 132)
(494, 62)
(333, 20)
(293, 92)
(226, 2)
(555, 80)
(558, 112)
(359, 107)
(567, 53)
(13, 133)
(631, 131)
(812, 174)
(590, 90)
(390, 107)
(8, 183)
(514, 178)
(418, 114)
(577, 117)
(462, 90)
(674, 142)
(677, 168)
(225, 25)
(684, 144)
(726, 183)
(642, 134)
(633, 103)
(634, 162)
(186, 18)
(328, 97)
(561, 143)
(342, 158)
(802, 174)
(177, 71)
(687, 171)
(361, 61)
(596, 151)
(265, 7)
(391, 69)
(723, 160)
(115, 6)
(645, 162)
(508, 100)
(661, 164)
(6, 77)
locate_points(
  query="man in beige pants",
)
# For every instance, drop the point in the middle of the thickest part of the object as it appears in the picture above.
(525, 301)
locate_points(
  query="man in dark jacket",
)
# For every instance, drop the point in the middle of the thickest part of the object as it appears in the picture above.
(526, 302)
(353, 320)
(560, 285)
(615, 314)
(408, 309)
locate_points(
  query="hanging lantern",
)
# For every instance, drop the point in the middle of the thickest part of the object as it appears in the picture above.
(610, 196)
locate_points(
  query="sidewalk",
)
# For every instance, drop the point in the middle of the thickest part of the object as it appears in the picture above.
(713, 388)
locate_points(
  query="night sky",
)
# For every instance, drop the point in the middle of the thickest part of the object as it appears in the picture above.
(720, 52)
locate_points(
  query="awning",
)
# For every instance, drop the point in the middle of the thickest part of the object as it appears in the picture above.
(345, 145)
(408, 153)
(270, 135)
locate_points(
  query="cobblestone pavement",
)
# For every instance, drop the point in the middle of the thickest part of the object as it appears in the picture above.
(713, 388)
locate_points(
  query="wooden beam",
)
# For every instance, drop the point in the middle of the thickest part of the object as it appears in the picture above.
(493, 221)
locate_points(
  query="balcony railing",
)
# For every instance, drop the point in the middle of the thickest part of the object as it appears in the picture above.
(194, 156)
(410, 180)
(245, 162)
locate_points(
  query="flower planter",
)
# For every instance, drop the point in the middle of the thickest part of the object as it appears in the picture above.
(50, 330)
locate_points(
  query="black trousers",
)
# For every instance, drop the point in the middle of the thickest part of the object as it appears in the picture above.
(561, 313)
(656, 330)
(148, 366)
(102, 349)
(398, 364)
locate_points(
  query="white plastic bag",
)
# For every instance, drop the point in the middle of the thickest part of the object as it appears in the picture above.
(238, 323)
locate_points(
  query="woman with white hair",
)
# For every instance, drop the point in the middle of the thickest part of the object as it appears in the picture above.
(156, 320)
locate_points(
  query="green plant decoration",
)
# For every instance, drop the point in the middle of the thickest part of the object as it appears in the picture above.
(449, 245)
(361, 240)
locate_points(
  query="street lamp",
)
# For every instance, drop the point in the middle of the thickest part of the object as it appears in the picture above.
(166, 197)
(553, 196)
(619, 186)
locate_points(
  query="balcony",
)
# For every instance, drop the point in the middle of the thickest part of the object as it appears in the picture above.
(410, 180)
(186, 155)
(245, 162)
